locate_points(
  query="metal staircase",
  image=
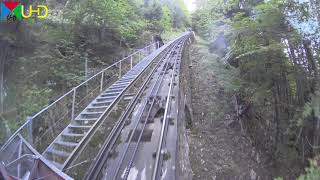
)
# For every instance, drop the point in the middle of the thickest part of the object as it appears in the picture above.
(61, 150)
(53, 135)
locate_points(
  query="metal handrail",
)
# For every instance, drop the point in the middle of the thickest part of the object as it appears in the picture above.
(73, 90)
(92, 129)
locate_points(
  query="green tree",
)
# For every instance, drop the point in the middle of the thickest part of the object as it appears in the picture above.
(278, 64)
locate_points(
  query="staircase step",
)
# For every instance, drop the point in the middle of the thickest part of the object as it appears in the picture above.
(85, 121)
(120, 84)
(70, 137)
(97, 108)
(103, 99)
(64, 146)
(90, 114)
(114, 90)
(133, 71)
(128, 76)
(99, 104)
(63, 143)
(107, 102)
(125, 79)
(110, 94)
(78, 129)
(56, 155)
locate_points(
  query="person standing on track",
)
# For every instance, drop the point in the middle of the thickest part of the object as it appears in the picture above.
(158, 38)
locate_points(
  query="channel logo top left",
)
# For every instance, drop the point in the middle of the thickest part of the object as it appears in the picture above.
(11, 11)
(14, 10)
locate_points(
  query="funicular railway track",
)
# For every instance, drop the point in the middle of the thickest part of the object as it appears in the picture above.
(145, 104)
(141, 129)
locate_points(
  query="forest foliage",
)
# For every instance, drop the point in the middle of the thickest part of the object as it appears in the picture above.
(275, 45)
(43, 59)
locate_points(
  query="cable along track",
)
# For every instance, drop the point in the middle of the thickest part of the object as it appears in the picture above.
(135, 146)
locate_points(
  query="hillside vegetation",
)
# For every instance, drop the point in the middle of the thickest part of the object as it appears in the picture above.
(274, 45)
(41, 59)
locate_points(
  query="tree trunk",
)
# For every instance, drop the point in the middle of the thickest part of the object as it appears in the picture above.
(276, 116)
(314, 88)
(299, 74)
(313, 66)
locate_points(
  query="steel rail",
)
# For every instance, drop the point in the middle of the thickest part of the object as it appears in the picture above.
(155, 174)
(95, 170)
(159, 78)
(148, 115)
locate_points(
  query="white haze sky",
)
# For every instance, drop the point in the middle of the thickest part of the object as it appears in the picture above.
(190, 5)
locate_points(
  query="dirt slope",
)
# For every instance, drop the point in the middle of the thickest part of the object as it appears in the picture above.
(217, 148)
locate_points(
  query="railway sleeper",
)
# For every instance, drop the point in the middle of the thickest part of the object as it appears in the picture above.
(146, 135)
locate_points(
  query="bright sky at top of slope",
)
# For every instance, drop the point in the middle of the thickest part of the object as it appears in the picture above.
(190, 5)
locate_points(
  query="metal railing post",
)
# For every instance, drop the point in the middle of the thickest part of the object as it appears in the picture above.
(29, 126)
(73, 103)
(19, 155)
(139, 56)
(120, 70)
(131, 63)
(101, 83)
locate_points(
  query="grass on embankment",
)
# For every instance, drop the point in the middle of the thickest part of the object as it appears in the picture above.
(226, 75)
